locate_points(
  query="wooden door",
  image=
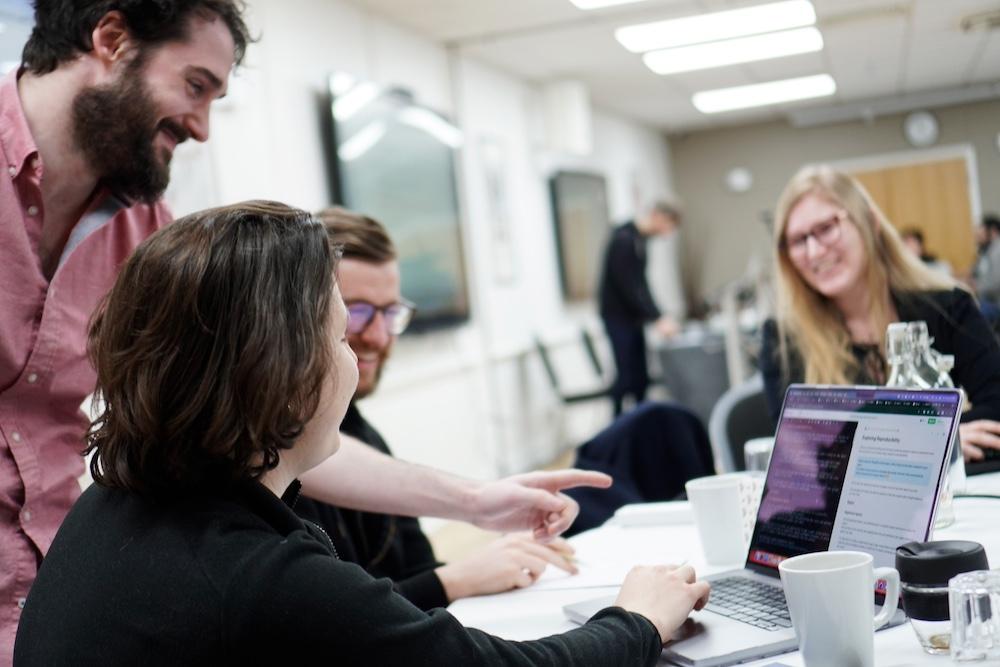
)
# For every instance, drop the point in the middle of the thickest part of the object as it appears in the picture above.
(932, 197)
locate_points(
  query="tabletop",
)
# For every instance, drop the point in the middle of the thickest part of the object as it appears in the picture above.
(607, 553)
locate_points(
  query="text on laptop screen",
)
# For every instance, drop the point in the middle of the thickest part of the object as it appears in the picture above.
(852, 469)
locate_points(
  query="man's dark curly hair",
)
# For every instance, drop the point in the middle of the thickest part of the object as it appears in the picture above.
(63, 28)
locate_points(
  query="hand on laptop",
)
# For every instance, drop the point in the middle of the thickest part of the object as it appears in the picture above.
(509, 562)
(664, 594)
(978, 435)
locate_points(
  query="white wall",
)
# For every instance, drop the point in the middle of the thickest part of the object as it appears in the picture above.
(472, 399)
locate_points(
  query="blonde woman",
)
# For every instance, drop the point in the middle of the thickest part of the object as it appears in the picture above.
(843, 274)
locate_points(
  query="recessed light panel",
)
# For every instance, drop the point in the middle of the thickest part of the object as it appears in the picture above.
(764, 94)
(597, 4)
(734, 51)
(717, 26)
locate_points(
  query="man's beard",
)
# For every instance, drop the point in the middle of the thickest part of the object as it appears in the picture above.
(115, 125)
(364, 391)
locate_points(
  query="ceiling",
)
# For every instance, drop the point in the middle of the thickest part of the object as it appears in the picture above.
(883, 54)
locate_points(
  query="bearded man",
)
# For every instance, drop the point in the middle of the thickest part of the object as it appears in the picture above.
(88, 123)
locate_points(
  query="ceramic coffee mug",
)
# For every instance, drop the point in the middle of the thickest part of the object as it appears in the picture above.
(829, 598)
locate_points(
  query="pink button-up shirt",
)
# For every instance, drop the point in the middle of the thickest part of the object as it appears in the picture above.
(44, 371)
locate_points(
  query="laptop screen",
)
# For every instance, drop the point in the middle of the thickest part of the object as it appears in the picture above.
(853, 468)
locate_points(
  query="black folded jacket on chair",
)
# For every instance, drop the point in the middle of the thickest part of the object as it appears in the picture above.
(650, 452)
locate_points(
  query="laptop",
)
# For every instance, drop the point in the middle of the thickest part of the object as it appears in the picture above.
(853, 468)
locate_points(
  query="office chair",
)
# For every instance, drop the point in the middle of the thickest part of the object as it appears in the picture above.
(740, 414)
(598, 390)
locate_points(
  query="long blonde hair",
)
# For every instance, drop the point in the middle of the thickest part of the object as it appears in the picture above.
(811, 322)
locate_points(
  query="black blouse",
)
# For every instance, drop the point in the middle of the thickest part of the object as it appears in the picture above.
(383, 544)
(953, 321)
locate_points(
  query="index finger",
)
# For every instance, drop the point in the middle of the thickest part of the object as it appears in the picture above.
(988, 425)
(557, 480)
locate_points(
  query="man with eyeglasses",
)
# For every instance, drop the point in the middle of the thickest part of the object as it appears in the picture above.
(385, 544)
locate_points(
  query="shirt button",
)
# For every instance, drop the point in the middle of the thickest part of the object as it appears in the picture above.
(32, 210)
(11, 170)
(26, 515)
(20, 603)
(15, 436)
(32, 378)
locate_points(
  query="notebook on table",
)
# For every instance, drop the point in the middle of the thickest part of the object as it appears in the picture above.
(853, 468)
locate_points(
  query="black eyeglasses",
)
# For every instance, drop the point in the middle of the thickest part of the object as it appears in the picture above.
(395, 316)
(825, 232)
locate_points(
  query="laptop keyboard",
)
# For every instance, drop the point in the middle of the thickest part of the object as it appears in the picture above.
(750, 601)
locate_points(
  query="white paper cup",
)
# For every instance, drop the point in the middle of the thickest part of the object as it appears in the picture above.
(724, 507)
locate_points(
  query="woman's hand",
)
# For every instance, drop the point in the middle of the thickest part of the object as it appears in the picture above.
(978, 435)
(664, 594)
(512, 561)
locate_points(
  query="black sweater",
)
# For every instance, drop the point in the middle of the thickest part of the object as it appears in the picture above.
(236, 578)
(384, 545)
(957, 327)
(624, 293)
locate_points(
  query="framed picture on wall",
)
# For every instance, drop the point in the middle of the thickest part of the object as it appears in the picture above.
(394, 160)
(582, 224)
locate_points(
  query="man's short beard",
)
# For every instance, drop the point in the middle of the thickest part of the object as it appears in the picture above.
(114, 125)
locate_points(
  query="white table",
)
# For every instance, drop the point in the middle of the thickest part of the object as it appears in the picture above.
(607, 553)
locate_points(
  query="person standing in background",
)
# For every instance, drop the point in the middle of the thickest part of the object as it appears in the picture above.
(626, 304)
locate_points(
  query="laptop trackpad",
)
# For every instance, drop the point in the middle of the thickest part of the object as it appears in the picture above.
(689, 628)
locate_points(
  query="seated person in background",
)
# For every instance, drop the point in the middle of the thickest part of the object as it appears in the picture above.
(222, 356)
(387, 545)
(986, 273)
(843, 275)
(913, 239)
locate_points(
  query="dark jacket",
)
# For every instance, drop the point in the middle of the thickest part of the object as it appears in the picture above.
(953, 321)
(236, 578)
(384, 545)
(623, 292)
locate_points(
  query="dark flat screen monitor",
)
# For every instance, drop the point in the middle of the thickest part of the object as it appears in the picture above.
(395, 162)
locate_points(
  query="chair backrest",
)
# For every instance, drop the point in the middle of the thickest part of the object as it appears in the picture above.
(583, 384)
(739, 415)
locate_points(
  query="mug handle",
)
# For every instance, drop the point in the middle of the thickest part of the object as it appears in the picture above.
(891, 577)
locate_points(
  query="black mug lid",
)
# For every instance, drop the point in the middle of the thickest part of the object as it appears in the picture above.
(934, 563)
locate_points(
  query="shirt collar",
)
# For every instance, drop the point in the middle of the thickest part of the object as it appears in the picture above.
(16, 142)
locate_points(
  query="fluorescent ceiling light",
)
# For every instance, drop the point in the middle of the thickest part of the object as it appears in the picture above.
(718, 26)
(597, 4)
(734, 51)
(763, 94)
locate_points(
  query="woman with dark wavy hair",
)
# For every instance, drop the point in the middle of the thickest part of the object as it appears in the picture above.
(223, 363)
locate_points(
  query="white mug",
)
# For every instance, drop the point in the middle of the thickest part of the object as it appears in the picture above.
(724, 508)
(829, 597)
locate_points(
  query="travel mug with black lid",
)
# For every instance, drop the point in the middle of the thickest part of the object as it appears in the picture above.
(924, 570)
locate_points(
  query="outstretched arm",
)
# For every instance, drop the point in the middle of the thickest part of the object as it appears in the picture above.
(358, 477)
